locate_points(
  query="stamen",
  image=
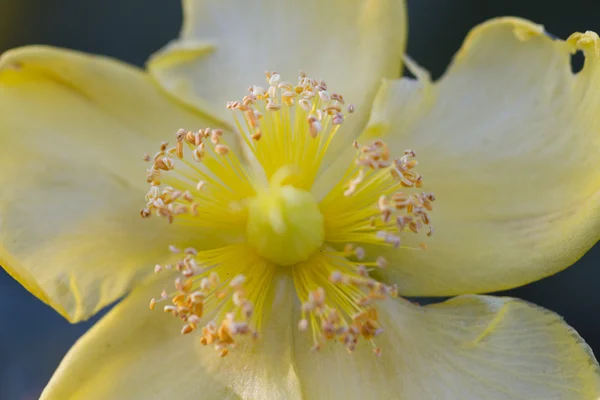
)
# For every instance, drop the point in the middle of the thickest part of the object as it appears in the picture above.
(174, 175)
(201, 294)
(374, 175)
(342, 307)
(290, 135)
(372, 208)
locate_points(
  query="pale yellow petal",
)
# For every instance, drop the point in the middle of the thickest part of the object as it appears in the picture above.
(508, 140)
(135, 353)
(226, 46)
(468, 348)
(74, 128)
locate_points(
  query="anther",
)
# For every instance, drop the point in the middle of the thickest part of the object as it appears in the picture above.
(360, 253)
(256, 135)
(382, 262)
(170, 309)
(303, 325)
(164, 163)
(314, 127)
(221, 149)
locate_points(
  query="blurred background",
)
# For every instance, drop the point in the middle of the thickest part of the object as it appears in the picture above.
(33, 338)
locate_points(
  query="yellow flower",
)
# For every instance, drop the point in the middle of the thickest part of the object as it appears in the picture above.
(263, 210)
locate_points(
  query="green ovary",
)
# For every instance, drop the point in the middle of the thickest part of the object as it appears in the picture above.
(285, 225)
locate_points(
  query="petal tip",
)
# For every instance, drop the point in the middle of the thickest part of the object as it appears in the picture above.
(588, 42)
(522, 29)
(12, 59)
(35, 51)
(56, 61)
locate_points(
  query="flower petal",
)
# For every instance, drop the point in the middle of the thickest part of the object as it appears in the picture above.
(470, 347)
(74, 128)
(134, 353)
(226, 46)
(508, 141)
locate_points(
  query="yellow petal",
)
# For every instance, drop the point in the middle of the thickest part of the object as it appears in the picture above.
(74, 128)
(134, 353)
(508, 141)
(468, 348)
(227, 46)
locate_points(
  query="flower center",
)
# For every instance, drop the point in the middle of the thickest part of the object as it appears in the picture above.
(234, 234)
(285, 225)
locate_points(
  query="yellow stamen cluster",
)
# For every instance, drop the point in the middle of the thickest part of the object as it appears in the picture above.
(252, 221)
(200, 292)
(187, 179)
(410, 210)
(347, 311)
(294, 124)
(342, 308)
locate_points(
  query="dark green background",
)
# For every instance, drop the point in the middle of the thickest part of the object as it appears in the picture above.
(33, 338)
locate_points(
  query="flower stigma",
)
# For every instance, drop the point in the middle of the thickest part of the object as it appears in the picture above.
(240, 223)
(285, 224)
